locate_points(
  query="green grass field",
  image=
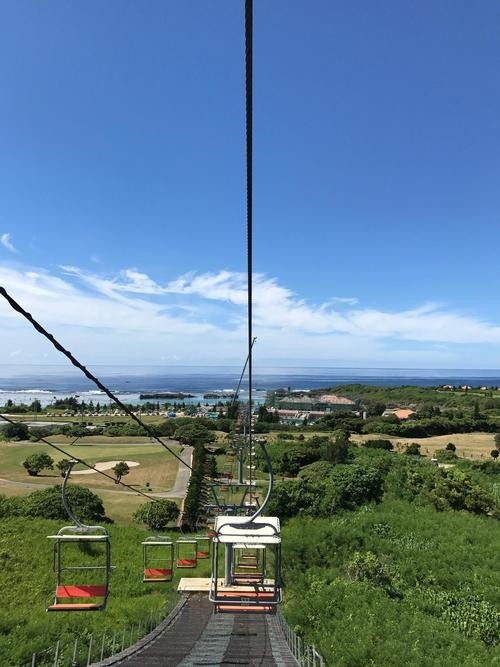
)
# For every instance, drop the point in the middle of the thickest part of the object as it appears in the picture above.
(157, 467)
(27, 583)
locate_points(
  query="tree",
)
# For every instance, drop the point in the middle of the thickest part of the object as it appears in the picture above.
(494, 453)
(16, 431)
(451, 447)
(37, 462)
(120, 470)
(497, 440)
(157, 515)
(63, 466)
(233, 409)
(413, 449)
(47, 503)
(36, 406)
(194, 433)
(374, 408)
(338, 450)
(264, 416)
(212, 467)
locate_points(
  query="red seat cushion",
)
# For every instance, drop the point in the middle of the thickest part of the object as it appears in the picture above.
(81, 591)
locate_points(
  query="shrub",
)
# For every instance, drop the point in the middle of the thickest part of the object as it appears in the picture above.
(37, 462)
(120, 470)
(16, 431)
(10, 506)
(316, 472)
(456, 490)
(349, 486)
(194, 433)
(63, 466)
(367, 566)
(413, 449)
(379, 444)
(445, 455)
(157, 515)
(338, 450)
(47, 503)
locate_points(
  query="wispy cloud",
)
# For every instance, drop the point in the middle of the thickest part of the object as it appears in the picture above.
(5, 240)
(202, 316)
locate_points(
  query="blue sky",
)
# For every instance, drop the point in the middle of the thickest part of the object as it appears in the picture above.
(376, 171)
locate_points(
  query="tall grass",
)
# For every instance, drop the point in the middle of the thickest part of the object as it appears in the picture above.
(27, 584)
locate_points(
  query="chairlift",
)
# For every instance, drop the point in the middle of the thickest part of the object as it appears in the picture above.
(203, 547)
(249, 565)
(80, 581)
(237, 592)
(158, 559)
(186, 554)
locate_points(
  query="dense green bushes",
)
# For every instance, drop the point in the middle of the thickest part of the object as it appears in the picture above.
(157, 515)
(444, 488)
(47, 503)
(394, 584)
(340, 487)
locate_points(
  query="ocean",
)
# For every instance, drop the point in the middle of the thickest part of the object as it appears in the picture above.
(23, 383)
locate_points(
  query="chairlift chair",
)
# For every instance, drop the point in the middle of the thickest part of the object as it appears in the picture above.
(89, 586)
(186, 554)
(158, 559)
(203, 547)
(70, 590)
(239, 593)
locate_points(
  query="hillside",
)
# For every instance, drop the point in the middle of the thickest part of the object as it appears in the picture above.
(27, 583)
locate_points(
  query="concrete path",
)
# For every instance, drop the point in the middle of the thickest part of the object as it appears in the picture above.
(183, 474)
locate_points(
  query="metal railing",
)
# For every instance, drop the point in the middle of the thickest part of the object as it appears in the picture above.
(305, 654)
(89, 649)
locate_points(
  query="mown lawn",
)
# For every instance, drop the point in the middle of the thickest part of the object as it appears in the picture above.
(157, 466)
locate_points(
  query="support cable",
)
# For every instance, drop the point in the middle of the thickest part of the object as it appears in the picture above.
(16, 306)
(249, 199)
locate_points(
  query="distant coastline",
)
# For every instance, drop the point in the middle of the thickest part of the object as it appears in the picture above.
(21, 383)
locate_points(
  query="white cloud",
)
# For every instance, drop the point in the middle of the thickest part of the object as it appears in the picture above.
(5, 240)
(348, 300)
(198, 318)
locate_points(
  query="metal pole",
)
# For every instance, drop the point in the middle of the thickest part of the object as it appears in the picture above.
(56, 658)
(113, 645)
(89, 655)
(33, 660)
(228, 565)
(102, 646)
(123, 639)
(73, 661)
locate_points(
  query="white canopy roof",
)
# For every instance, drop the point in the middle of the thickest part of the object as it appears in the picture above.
(237, 531)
